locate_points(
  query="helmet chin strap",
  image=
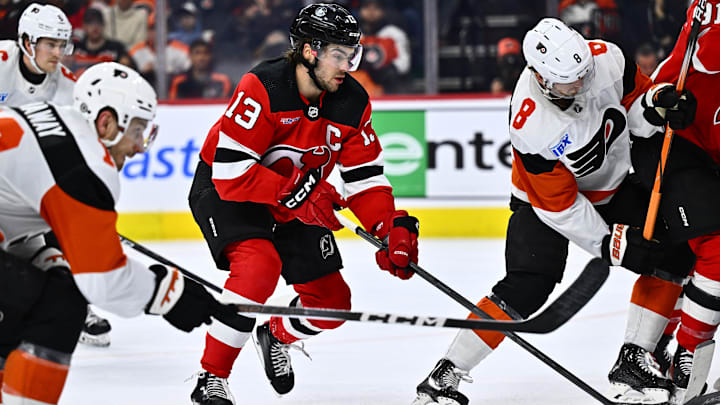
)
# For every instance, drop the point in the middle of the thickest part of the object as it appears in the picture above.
(30, 56)
(311, 71)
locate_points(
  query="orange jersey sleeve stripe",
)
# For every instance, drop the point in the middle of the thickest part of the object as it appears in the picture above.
(597, 196)
(554, 191)
(642, 84)
(87, 235)
(656, 295)
(28, 376)
(492, 339)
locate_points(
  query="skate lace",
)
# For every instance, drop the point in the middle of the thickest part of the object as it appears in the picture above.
(216, 387)
(451, 377)
(92, 319)
(279, 353)
(647, 363)
(685, 362)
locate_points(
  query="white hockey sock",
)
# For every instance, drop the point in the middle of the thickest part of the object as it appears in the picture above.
(467, 350)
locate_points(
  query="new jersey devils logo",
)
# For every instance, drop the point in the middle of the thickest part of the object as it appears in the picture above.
(281, 158)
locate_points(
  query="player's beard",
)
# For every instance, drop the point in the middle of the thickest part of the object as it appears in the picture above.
(327, 84)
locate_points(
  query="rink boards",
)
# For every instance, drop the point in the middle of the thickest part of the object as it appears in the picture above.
(448, 160)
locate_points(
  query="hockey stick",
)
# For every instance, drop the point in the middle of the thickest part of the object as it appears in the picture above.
(481, 314)
(559, 312)
(702, 360)
(712, 398)
(149, 253)
(656, 193)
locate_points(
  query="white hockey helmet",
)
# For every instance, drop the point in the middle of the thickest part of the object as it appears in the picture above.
(120, 88)
(560, 55)
(43, 21)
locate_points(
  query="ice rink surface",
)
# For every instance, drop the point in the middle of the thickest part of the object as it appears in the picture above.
(149, 362)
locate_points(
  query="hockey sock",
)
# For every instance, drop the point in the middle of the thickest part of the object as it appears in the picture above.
(218, 357)
(467, 350)
(492, 339)
(330, 291)
(674, 318)
(254, 272)
(34, 375)
(701, 312)
(651, 307)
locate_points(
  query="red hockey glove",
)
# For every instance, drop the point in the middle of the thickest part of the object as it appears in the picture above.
(626, 247)
(311, 199)
(662, 104)
(401, 233)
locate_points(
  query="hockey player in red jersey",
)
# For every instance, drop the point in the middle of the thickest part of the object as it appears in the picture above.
(56, 175)
(571, 115)
(692, 172)
(262, 202)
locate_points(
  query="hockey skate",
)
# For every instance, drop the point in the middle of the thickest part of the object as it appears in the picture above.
(275, 359)
(681, 370)
(211, 390)
(636, 378)
(441, 386)
(96, 331)
(663, 356)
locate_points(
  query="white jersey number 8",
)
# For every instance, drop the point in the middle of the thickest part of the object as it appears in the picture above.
(252, 113)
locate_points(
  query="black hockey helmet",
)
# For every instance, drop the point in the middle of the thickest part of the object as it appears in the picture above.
(327, 23)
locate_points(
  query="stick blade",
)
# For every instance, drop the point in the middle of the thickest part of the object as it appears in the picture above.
(700, 369)
(572, 300)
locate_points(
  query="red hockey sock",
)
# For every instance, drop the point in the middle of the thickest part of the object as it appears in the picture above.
(218, 358)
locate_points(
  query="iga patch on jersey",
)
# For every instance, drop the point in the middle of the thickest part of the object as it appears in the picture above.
(560, 147)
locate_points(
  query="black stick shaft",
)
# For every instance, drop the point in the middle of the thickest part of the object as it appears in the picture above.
(480, 313)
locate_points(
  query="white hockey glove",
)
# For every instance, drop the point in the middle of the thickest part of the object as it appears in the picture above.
(48, 258)
(626, 247)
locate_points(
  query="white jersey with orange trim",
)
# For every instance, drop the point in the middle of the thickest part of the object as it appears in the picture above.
(56, 175)
(564, 161)
(15, 90)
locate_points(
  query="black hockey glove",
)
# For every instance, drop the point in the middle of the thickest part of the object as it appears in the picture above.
(663, 104)
(181, 301)
(626, 247)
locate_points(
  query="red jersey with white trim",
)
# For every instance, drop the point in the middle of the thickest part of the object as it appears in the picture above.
(56, 175)
(269, 127)
(566, 160)
(15, 90)
(703, 78)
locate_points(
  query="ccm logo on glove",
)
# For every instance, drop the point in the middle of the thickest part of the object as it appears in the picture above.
(303, 189)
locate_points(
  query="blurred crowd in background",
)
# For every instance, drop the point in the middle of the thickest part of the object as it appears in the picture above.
(212, 43)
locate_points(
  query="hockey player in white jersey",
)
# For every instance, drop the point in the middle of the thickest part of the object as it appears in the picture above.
(56, 175)
(571, 115)
(32, 71)
(30, 68)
